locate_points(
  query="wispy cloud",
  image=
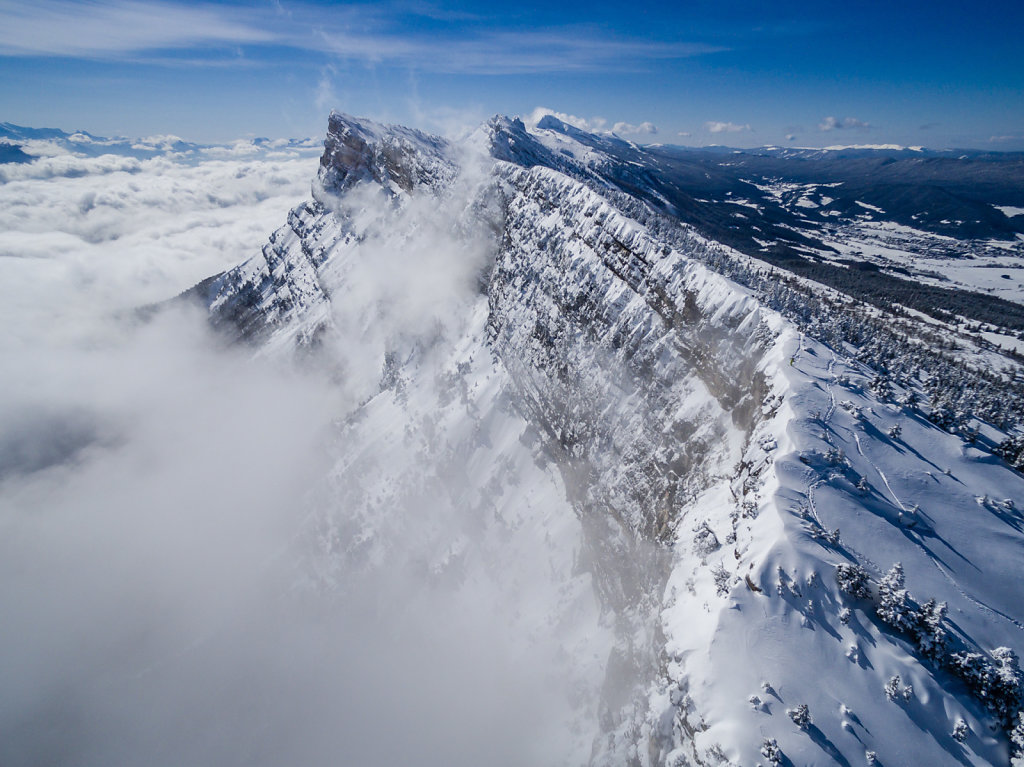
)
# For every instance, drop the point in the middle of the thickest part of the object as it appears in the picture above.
(508, 52)
(643, 129)
(101, 29)
(714, 126)
(591, 124)
(834, 123)
(380, 35)
(325, 96)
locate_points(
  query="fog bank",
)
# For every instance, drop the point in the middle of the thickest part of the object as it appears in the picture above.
(159, 493)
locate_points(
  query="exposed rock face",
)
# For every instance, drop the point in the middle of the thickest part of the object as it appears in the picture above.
(641, 369)
(396, 158)
(281, 291)
(618, 351)
(592, 358)
(278, 289)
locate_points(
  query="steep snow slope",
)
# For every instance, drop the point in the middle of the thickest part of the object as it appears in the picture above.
(780, 621)
(536, 379)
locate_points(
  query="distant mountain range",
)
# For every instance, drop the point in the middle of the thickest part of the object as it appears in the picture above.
(20, 144)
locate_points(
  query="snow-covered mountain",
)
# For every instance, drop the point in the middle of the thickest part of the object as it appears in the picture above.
(755, 547)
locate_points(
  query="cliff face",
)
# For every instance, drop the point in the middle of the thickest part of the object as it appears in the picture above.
(279, 297)
(398, 159)
(548, 394)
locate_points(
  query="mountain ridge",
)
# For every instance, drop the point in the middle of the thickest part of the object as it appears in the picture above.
(708, 451)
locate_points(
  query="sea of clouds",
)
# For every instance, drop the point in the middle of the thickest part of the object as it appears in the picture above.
(154, 481)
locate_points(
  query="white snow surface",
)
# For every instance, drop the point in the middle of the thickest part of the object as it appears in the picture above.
(936, 259)
(953, 548)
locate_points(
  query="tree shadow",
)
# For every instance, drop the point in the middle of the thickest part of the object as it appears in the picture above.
(1008, 516)
(827, 745)
(814, 616)
(856, 720)
(875, 433)
(925, 719)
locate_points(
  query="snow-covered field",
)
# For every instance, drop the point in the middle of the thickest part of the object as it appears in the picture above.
(995, 268)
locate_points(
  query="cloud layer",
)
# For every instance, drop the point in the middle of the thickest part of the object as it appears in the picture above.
(80, 234)
(158, 493)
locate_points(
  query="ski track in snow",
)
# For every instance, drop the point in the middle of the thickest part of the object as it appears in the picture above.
(878, 471)
(812, 486)
(977, 603)
(980, 605)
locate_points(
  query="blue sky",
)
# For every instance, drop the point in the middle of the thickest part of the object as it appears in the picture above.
(694, 72)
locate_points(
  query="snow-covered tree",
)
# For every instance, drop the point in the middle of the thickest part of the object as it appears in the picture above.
(831, 537)
(704, 540)
(893, 600)
(835, 456)
(960, 731)
(943, 417)
(996, 683)
(1011, 450)
(853, 580)
(881, 387)
(928, 630)
(723, 581)
(801, 715)
(910, 399)
(770, 750)
(892, 687)
(1007, 690)
(895, 431)
(1017, 741)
